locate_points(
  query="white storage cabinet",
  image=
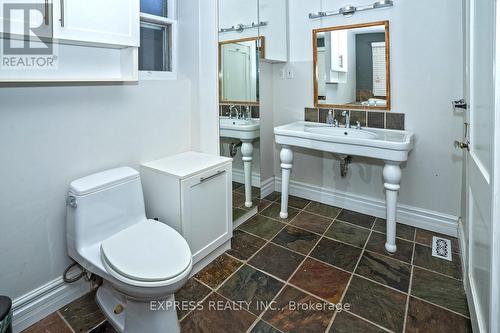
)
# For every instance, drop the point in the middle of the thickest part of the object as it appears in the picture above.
(113, 23)
(192, 192)
(93, 40)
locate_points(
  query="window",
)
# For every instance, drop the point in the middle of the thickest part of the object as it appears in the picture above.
(156, 53)
(155, 7)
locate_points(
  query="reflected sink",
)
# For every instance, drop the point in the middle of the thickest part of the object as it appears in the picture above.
(243, 129)
(343, 132)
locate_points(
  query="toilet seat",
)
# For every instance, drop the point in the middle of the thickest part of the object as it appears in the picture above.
(147, 253)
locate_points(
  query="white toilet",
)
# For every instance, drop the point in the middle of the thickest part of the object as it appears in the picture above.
(142, 262)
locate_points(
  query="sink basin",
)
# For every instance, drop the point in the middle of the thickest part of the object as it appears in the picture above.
(343, 132)
(377, 143)
(243, 129)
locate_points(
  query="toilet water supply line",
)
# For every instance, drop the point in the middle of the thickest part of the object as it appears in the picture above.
(94, 280)
(83, 274)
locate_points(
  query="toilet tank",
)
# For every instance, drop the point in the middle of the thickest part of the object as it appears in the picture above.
(102, 204)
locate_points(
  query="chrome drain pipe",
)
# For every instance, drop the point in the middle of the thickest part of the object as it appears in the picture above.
(345, 160)
(233, 148)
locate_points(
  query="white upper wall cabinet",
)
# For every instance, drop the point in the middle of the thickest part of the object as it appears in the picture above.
(273, 13)
(112, 22)
(109, 22)
(70, 40)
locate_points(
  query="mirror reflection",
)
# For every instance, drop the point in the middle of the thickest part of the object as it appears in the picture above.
(239, 70)
(352, 66)
(240, 51)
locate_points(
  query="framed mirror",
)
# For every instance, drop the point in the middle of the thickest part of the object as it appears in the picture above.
(239, 70)
(352, 66)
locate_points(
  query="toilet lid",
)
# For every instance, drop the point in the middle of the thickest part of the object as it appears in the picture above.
(147, 251)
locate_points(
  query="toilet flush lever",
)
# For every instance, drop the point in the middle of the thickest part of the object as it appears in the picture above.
(71, 201)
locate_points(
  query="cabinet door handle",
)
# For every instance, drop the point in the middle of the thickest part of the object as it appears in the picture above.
(204, 179)
(46, 17)
(62, 13)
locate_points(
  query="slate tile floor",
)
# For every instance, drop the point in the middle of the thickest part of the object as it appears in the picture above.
(320, 256)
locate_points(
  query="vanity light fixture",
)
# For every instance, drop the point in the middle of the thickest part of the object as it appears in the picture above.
(242, 27)
(349, 10)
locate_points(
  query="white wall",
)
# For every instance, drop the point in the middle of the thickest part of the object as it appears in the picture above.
(53, 134)
(426, 74)
(198, 62)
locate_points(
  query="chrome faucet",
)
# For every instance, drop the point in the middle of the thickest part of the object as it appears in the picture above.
(234, 108)
(347, 119)
(247, 113)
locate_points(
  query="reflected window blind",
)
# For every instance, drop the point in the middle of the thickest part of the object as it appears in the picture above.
(379, 82)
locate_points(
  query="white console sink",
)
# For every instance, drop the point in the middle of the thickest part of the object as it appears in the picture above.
(369, 142)
(248, 129)
(391, 146)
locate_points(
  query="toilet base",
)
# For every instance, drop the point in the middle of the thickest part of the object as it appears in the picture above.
(144, 317)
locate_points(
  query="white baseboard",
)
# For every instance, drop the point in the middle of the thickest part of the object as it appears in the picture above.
(267, 187)
(239, 177)
(413, 216)
(41, 302)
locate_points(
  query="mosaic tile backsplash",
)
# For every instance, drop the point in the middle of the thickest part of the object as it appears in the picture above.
(224, 109)
(375, 119)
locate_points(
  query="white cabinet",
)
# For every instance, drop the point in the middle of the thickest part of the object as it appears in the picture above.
(339, 52)
(274, 13)
(112, 22)
(70, 40)
(191, 192)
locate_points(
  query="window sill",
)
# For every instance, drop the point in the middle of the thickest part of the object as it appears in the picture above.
(159, 76)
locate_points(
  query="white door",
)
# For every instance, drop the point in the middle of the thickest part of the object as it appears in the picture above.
(112, 22)
(482, 282)
(236, 72)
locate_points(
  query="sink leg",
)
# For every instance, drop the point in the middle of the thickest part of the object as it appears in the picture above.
(247, 152)
(286, 156)
(392, 179)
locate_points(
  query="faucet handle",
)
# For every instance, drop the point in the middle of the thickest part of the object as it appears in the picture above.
(358, 125)
(248, 112)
